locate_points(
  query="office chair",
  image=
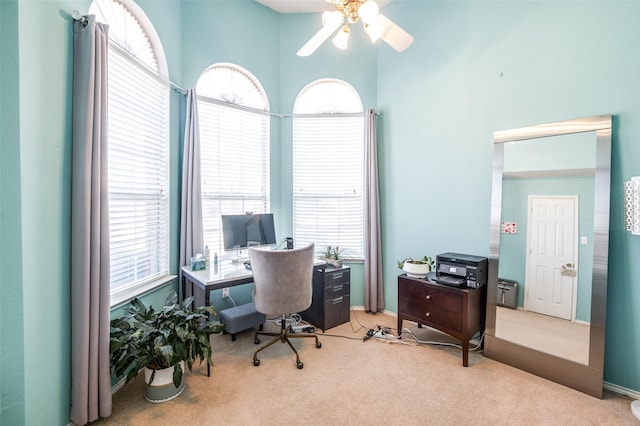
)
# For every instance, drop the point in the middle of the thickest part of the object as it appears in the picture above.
(283, 285)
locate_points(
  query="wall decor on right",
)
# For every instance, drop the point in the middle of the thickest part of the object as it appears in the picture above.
(632, 205)
(509, 228)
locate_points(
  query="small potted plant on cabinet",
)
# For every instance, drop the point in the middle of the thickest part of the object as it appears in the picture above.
(161, 342)
(417, 268)
(334, 255)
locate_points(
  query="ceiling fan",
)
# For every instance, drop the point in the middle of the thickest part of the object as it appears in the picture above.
(347, 12)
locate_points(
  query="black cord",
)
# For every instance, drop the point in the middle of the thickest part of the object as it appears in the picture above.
(357, 320)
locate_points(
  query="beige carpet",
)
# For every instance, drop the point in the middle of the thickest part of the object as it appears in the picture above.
(349, 381)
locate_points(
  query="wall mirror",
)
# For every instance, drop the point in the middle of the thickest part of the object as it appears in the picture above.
(548, 251)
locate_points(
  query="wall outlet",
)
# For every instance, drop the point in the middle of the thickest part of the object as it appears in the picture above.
(225, 293)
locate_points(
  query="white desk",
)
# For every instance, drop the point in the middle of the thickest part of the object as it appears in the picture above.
(224, 274)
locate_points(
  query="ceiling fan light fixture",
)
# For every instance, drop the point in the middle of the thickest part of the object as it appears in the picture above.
(369, 12)
(374, 31)
(348, 12)
(341, 39)
(332, 19)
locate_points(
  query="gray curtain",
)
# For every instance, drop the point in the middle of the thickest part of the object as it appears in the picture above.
(90, 286)
(191, 233)
(373, 288)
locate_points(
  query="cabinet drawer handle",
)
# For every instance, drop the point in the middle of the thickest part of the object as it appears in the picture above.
(428, 296)
(337, 275)
(337, 287)
(428, 314)
(337, 300)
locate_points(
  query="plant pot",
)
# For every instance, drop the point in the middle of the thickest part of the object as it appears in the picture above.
(333, 262)
(416, 270)
(162, 389)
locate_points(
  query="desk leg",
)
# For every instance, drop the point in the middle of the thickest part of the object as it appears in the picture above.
(209, 364)
(200, 296)
(181, 290)
(465, 352)
(399, 325)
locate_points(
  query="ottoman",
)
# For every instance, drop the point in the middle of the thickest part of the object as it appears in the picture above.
(240, 318)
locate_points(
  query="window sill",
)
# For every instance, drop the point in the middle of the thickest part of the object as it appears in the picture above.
(124, 296)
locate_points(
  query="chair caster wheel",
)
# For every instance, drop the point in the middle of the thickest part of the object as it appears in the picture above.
(256, 341)
(256, 362)
(299, 364)
(318, 344)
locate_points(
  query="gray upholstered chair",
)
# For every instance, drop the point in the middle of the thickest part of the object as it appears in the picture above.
(283, 285)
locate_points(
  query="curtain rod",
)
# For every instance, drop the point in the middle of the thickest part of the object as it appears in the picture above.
(84, 20)
(77, 16)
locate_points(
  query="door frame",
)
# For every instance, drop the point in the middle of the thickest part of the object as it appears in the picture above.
(576, 247)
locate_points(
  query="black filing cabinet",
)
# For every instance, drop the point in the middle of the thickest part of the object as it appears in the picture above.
(331, 297)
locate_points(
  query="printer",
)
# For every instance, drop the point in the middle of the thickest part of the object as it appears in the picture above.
(461, 270)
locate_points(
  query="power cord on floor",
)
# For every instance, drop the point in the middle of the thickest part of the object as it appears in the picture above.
(292, 319)
(354, 330)
(406, 331)
(385, 334)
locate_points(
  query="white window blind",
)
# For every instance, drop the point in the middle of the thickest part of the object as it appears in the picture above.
(138, 150)
(138, 178)
(328, 167)
(234, 147)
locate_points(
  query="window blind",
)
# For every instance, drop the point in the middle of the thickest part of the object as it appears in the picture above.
(138, 181)
(328, 175)
(234, 149)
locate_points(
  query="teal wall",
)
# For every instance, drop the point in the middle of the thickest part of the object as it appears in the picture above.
(12, 389)
(38, 139)
(475, 67)
(481, 66)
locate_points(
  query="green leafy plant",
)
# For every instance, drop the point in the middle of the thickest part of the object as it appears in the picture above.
(143, 337)
(335, 253)
(425, 260)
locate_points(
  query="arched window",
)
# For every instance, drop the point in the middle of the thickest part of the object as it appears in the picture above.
(138, 150)
(234, 146)
(328, 167)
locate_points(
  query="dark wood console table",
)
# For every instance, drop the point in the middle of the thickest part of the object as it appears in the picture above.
(458, 312)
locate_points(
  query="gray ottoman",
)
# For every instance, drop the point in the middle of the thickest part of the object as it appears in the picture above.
(240, 318)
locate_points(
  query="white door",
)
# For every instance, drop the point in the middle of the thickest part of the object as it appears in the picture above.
(551, 238)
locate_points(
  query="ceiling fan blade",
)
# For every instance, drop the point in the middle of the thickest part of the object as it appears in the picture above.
(318, 38)
(395, 36)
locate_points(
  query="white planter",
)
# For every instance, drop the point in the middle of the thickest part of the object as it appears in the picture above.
(162, 388)
(416, 270)
(333, 262)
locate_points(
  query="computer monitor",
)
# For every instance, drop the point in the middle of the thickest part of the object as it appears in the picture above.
(244, 230)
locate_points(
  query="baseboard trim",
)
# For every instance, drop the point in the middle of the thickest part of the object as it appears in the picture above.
(119, 385)
(620, 390)
(386, 312)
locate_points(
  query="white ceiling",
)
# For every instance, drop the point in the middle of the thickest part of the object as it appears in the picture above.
(304, 6)
(297, 6)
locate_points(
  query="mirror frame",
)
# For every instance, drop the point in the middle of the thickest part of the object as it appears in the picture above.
(585, 378)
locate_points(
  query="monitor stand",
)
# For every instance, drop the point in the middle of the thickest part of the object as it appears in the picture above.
(238, 258)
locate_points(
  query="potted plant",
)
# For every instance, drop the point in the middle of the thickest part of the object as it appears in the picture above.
(334, 255)
(417, 268)
(161, 342)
